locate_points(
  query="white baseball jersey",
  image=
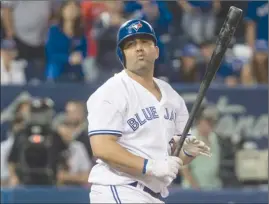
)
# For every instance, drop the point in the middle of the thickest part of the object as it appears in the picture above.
(144, 126)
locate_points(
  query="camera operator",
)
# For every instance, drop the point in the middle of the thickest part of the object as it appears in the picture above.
(36, 152)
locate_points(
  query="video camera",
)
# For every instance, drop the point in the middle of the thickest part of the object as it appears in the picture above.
(35, 157)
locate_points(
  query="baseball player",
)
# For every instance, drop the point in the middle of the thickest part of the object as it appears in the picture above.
(134, 119)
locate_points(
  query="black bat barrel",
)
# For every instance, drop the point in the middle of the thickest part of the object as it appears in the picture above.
(226, 33)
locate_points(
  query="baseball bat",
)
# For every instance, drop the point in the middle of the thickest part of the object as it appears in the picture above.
(226, 33)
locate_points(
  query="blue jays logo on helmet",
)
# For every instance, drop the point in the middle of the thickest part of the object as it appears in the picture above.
(133, 28)
(136, 26)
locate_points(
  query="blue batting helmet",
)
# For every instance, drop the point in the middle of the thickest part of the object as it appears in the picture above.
(133, 28)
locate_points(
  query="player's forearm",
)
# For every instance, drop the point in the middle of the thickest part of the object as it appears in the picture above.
(124, 161)
(116, 156)
(125, 169)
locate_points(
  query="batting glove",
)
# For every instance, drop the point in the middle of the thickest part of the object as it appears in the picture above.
(167, 180)
(163, 169)
(193, 147)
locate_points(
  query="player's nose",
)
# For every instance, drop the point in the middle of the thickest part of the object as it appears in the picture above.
(138, 46)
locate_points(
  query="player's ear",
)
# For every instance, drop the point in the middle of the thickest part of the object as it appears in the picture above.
(157, 52)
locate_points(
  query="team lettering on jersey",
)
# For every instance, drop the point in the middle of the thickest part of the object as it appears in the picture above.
(148, 114)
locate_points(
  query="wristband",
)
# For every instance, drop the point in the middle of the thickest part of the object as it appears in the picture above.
(188, 155)
(144, 167)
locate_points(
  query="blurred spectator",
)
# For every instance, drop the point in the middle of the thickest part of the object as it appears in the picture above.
(203, 172)
(199, 19)
(256, 72)
(257, 22)
(78, 165)
(244, 53)
(69, 125)
(91, 11)
(206, 49)
(20, 113)
(176, 13)
(105, 33)
(260, 62)
(229, 73)
(12, 70)
(17, 124)
(66, 45)
(73, 124)
(7, 112)
(188, 71)
(230, 67)
(27, 22)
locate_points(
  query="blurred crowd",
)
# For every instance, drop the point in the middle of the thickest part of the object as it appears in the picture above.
(75, 41)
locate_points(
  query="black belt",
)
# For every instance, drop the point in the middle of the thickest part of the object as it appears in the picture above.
(146, 189)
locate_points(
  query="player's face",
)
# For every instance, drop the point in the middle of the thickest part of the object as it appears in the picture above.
(140, 54)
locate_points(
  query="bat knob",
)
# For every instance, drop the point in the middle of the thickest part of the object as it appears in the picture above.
(231, 22)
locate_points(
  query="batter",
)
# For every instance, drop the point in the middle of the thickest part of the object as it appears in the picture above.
(134, 120)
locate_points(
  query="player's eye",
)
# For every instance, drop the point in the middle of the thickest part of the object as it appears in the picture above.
(145, 41)
(129, 44)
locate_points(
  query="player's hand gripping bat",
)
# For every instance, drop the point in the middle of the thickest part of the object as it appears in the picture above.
(226, 33)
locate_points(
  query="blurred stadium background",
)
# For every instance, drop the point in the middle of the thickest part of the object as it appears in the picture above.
(54, 54)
